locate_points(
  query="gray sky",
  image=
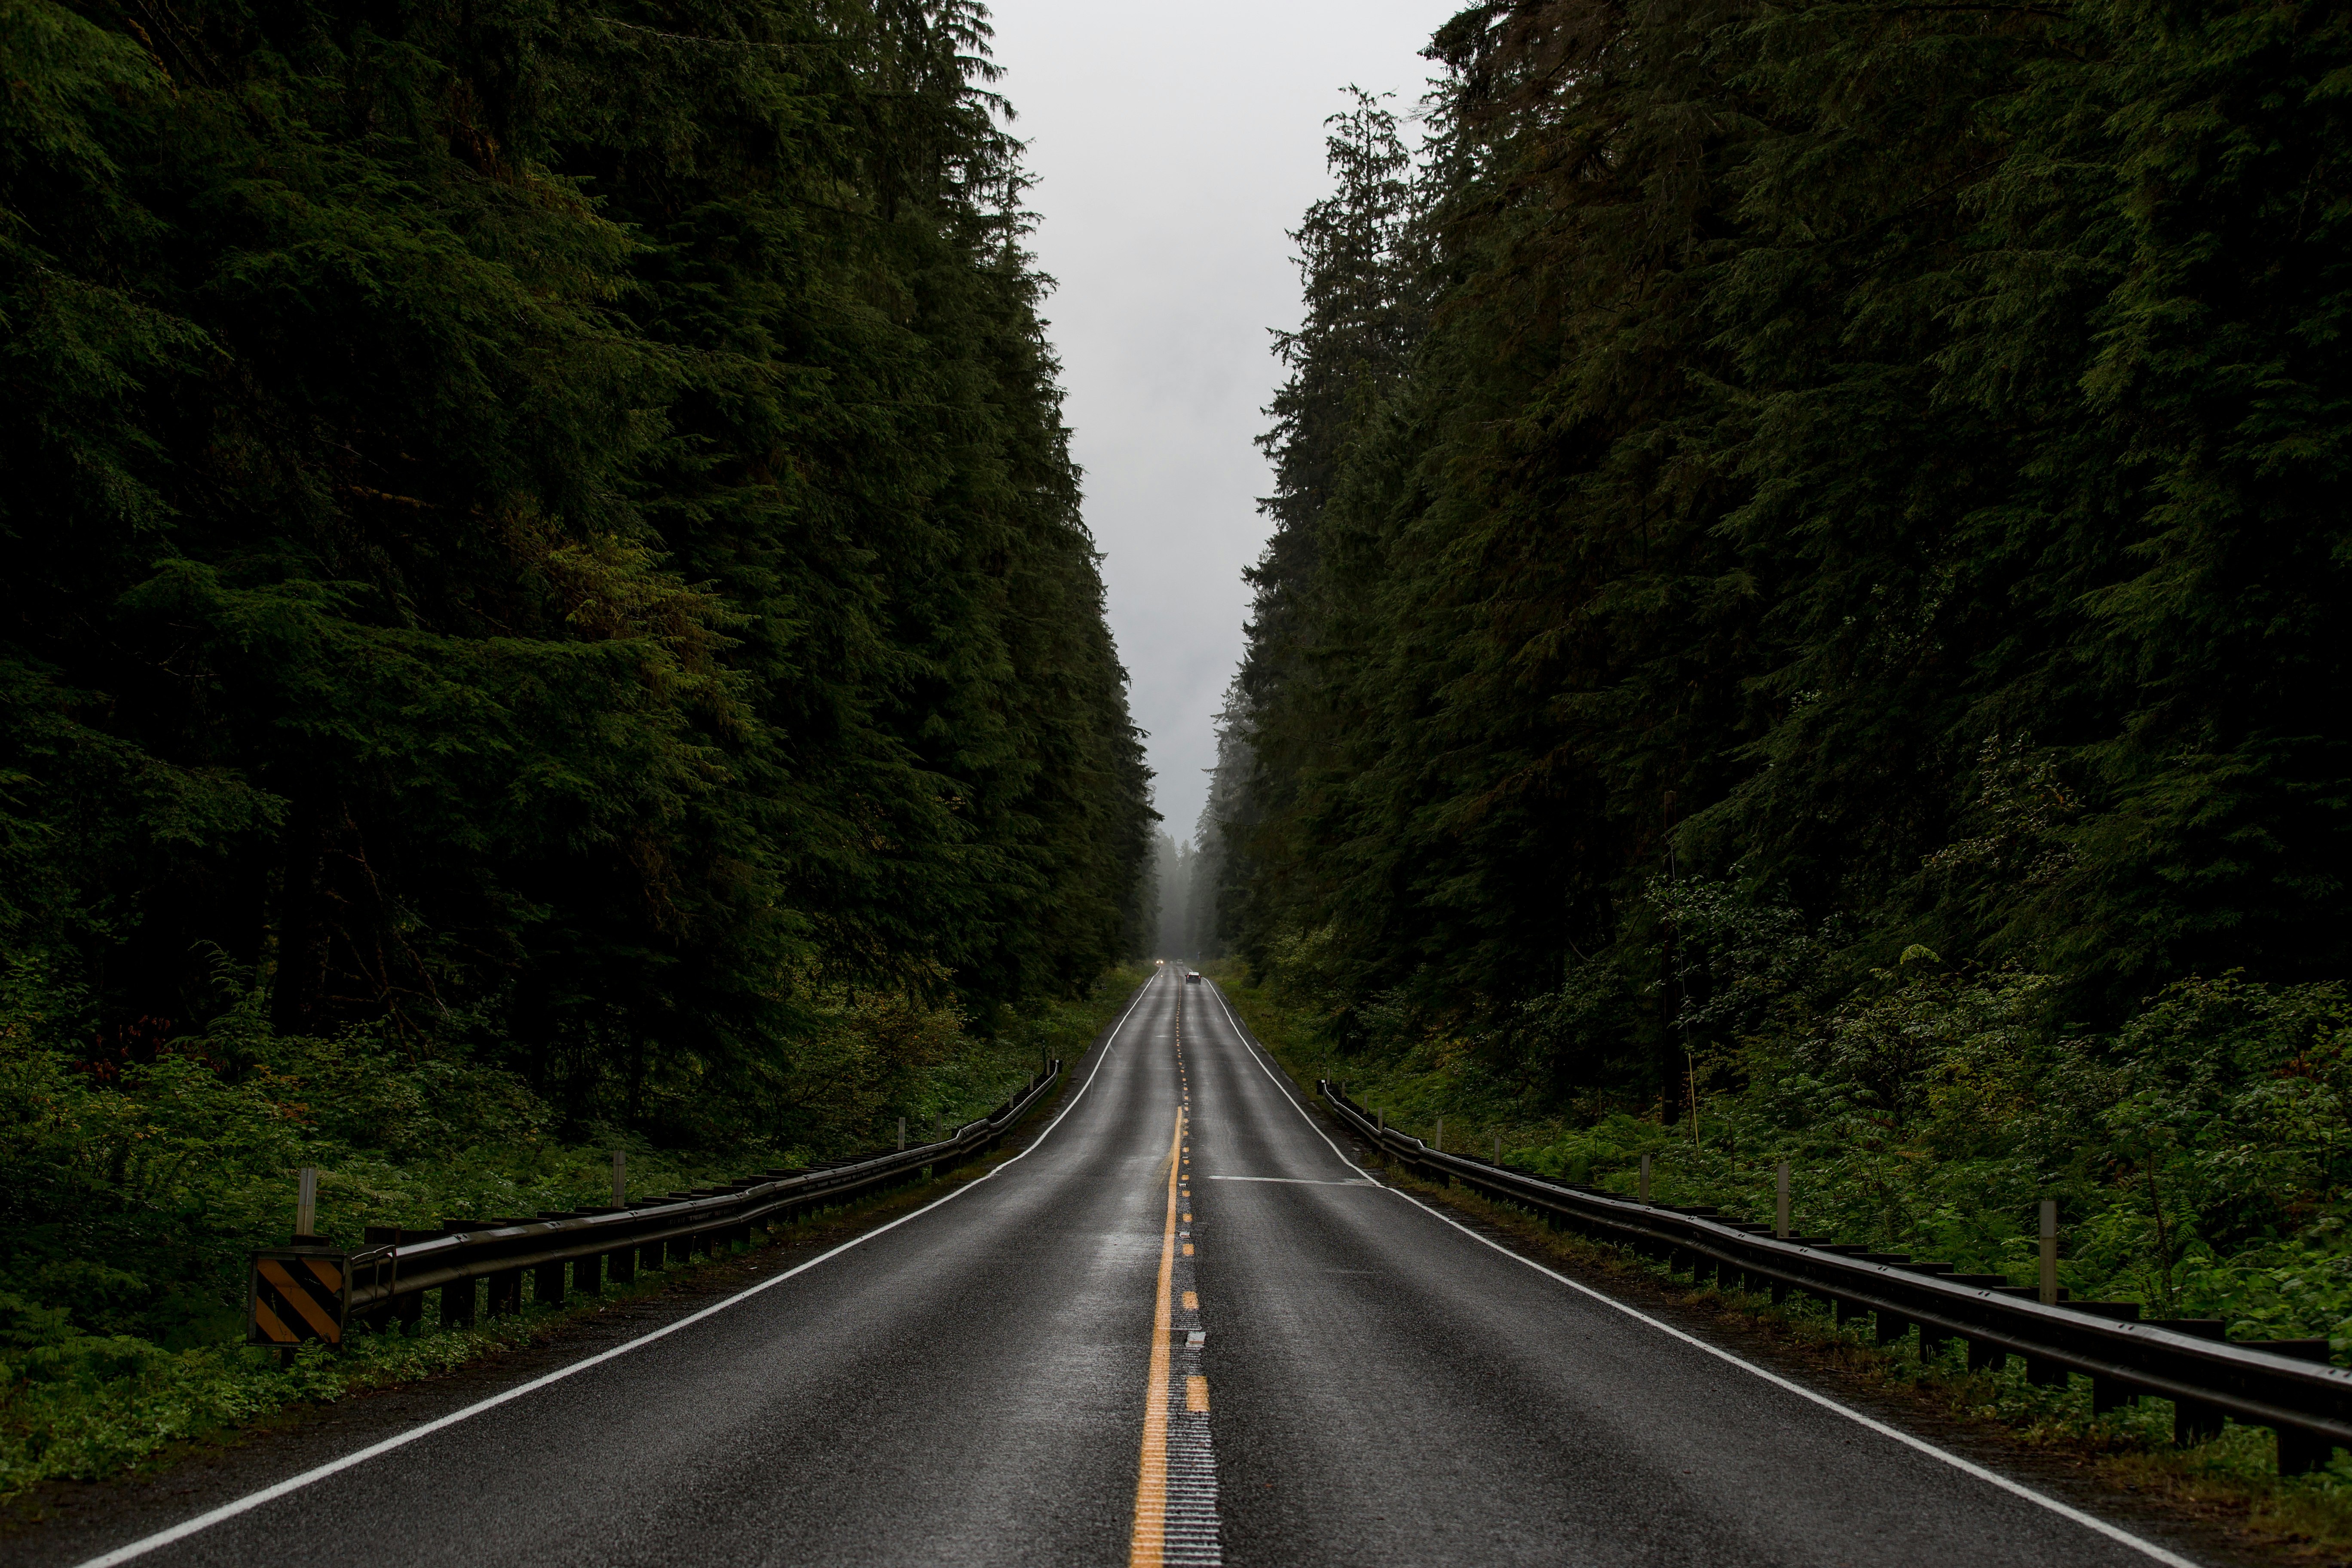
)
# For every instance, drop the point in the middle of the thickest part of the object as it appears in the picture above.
(1172, 145)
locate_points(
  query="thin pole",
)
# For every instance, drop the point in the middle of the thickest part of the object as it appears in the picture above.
(2049, 1252)
(902, 1134)
(1645, 1178)
(1780, 1209)
(620, 1178)
(1440, 1135)
(1499, 1149)
(306, 1202)
(1694, 1093)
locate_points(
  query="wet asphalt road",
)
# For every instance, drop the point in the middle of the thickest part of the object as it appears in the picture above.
(970, 1386)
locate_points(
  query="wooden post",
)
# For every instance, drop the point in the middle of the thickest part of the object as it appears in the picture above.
(902, 1135)
(1440, 1135)
(306, 1204)
(1645, 1179)
(620, 1178)
(1780, 1206)
(2049, 1252)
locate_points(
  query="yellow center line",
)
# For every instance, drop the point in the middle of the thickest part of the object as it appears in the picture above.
(1145, 1547)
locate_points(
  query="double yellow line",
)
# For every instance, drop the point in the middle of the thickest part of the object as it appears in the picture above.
(1150, 1537)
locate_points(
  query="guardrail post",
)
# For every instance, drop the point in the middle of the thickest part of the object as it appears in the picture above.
(1645, 1189)
(1440, 1145)
(1498, 1150)
(1780, 1202)
(2299, 1452)
(2050, 1253)
(620, 1178)
(2193, 1420)
(505, 1293)
(902, 1135)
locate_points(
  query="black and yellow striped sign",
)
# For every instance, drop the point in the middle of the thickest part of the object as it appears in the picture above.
(297, 1294)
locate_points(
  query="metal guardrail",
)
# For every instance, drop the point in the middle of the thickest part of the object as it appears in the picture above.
(2283, 1385)
(305, 1292)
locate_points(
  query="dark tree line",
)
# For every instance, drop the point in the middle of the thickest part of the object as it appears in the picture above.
(546, 531)
(1884, 465)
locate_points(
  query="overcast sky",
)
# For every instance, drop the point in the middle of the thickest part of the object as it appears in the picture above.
(1172, 145)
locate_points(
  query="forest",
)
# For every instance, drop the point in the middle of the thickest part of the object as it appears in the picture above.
(1804, 617)
(548, 609)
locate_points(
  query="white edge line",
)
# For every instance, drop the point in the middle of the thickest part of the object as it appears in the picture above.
(252, 1501)
(2064, 1511)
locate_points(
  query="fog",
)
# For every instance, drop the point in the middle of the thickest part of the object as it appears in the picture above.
(1172, 147)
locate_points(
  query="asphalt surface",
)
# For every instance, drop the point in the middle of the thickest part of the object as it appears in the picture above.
(1353, 1380)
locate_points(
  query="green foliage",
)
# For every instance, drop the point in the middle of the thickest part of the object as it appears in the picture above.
(130, 1198)
(546, 538)
(547, 608)
(1770, 490)
(2199, 1154)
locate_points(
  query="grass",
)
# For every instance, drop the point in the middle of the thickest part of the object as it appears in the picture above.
(2231, 1480)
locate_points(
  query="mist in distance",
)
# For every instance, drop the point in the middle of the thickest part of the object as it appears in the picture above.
(1172, 149)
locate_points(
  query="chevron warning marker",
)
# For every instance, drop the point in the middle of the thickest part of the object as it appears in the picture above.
(297, 1294)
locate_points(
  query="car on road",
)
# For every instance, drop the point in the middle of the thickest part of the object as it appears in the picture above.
(1193, 978)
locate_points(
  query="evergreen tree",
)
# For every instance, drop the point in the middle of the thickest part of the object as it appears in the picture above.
(1879, 461)
(548, 533)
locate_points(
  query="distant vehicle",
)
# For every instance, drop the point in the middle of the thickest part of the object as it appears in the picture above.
(1193, 978)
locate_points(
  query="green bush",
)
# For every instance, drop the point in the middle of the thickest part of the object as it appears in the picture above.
(2198, 1153)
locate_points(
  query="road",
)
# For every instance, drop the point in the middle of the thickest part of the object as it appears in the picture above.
(1181, 1327)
